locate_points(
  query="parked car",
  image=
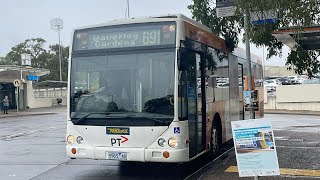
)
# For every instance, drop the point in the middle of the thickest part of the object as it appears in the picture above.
(311, 81)
(271, 84)
(284, 81)
(296, 79)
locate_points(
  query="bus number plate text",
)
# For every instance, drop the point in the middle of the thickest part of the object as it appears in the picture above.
(117, 155)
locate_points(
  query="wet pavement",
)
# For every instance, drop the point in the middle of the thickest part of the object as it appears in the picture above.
(33, 147)
(298, 149)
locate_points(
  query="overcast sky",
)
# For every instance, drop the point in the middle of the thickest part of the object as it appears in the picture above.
(23, 19)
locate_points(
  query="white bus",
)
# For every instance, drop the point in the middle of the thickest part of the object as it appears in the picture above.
(146, 90)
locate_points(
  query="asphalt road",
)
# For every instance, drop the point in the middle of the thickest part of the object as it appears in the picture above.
(33, 147)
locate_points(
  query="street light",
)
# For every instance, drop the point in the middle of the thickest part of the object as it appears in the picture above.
(57, 25)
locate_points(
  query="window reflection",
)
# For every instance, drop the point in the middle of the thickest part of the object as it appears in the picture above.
(132, 82)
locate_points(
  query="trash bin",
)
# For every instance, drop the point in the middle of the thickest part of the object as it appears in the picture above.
(59, 101)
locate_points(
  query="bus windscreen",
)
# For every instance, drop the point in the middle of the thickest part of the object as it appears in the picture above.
(125, 36)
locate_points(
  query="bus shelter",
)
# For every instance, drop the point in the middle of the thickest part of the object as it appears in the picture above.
(308, 37)
(9, 73)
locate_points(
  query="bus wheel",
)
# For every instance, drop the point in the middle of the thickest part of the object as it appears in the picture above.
(216, 140)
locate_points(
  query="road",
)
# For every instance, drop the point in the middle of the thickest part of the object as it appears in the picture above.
(33, 147)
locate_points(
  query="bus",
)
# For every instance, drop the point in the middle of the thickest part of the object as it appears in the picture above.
(145, 90)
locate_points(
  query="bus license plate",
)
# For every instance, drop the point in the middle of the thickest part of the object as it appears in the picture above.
(117, 155)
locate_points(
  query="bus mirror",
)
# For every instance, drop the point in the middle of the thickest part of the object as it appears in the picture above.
(183, 55)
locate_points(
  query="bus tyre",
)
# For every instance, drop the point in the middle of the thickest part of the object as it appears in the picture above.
(215, 141)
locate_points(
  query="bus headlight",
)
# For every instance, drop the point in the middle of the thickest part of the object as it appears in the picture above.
(79, 140)
(173, 142)
(162, 142)
(71, 139)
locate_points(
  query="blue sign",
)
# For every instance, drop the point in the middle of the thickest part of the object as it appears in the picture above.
(265, 17)
(176, 130)
(264, 21)
(32, 78)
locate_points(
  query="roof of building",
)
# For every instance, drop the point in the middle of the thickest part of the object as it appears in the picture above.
(8, 73)
(49, 84)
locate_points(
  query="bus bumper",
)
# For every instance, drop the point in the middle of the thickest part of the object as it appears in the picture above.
(133, 154)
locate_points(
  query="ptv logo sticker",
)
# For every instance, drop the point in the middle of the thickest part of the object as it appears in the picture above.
(118, 141)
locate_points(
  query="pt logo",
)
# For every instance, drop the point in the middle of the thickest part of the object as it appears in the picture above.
(118, 141)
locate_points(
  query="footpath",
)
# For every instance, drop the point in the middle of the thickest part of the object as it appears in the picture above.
(313, 113)
(34, 111)
(57, 109)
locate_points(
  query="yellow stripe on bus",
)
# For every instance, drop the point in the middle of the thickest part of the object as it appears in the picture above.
(286, 171)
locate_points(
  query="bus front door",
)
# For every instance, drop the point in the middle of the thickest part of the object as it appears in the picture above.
(196, 105)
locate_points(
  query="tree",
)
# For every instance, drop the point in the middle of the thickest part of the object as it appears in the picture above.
(53, 63)
(34, 47)
(41, 57)
(4, 61)
(294, 14)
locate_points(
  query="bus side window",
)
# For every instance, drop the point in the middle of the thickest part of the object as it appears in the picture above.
(212, 83)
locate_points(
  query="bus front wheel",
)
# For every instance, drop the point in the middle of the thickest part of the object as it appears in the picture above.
(216, 138)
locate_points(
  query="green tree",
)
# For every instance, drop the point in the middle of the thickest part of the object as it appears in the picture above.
(41, 57)
(34, 47)
(53, 63)
(293, 14)
(4, 61)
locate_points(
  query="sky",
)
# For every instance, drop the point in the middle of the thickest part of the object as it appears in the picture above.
(24, 19)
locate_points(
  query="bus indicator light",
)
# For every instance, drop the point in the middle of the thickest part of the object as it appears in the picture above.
(166, 154)
(172, 28)
(165, 28)
(73, 150)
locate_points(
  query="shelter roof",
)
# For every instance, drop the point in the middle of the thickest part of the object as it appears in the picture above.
(308, 37)
(8, 73)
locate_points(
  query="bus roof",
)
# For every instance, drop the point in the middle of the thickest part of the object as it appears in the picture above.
(193, 29)
(147, 19)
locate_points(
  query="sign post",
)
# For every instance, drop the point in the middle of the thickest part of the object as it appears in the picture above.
(16, 84)
(251, 100)
(255, 148)
(225, 8)
(266, 17)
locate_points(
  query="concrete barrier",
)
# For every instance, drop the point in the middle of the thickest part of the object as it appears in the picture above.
(296, 97)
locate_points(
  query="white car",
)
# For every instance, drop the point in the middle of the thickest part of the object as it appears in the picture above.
(296, 79)
(271, 84)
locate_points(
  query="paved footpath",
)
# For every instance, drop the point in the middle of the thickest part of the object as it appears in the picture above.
(34, 111)
(298, 148)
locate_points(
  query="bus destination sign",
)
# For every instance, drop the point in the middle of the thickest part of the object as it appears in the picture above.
(125, 37)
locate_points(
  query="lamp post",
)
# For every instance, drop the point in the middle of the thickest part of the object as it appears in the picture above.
(57, 25)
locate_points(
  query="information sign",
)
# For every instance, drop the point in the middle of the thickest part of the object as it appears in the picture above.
(125, 36)
(16, 83)
(251, 100)
(32, 78)
(267, 17)
(255, 148)
(225, 8)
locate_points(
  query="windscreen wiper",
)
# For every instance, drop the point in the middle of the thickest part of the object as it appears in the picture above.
(76, 121)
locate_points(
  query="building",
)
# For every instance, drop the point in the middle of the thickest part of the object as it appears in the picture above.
(26, 96)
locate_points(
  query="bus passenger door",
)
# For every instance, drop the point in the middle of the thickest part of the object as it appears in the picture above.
(196, 84)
